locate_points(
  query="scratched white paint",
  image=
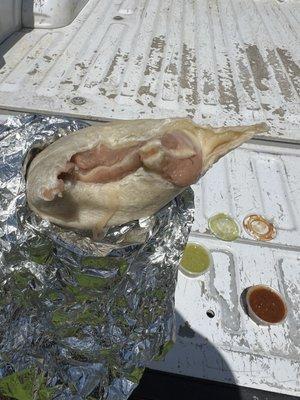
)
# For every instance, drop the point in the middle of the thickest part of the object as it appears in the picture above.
(217, 61)
(230, 347)
(256, 178)
(255, 356)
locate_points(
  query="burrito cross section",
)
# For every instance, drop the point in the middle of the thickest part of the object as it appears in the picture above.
(174, 156)
(118, 172)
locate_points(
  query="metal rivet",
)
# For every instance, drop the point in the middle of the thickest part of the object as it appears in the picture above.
(78, 101)
(210, 313)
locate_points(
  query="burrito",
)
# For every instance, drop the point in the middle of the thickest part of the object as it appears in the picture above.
(114, 173)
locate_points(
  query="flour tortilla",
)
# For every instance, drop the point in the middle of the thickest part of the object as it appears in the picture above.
(140, 194)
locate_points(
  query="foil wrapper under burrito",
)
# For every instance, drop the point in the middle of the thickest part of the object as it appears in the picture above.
(79, 319)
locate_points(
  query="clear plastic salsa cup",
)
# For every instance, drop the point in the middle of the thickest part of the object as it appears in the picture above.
(196, 260)
(266, 306)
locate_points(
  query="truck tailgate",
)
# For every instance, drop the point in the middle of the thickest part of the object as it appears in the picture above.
(219, 62)
(216, 339)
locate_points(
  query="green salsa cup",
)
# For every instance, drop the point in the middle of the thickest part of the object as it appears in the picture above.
(196, 260)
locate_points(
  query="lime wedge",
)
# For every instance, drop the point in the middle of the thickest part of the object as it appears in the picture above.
(224, 227)
(196, 259)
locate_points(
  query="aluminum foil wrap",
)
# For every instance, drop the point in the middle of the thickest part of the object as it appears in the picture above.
(79, 319)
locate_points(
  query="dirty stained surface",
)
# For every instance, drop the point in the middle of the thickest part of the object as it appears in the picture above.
(217, 61)
(210, 309)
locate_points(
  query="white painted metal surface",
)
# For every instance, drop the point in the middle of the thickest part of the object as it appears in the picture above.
(230, 347)
(50, 13)
(10, 18)
(255, 179)
(218, 61)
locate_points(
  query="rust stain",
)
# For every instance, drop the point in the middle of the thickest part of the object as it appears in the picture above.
(266, 106)
(151, 104)
(171, 69)
(145, 90)
(117, 58)
(81, 66)
(102, 91)
(112, 66)
(139, 59)
(47, 58)
(32, 72)
(209, 85)
(66, 82)
(91, 84)
(244, 74)
(279, 111)
(291, 67)
(190, 112)
(188, 76)
(258, 67)
(157, 48)
(227, 91)
(283, 83)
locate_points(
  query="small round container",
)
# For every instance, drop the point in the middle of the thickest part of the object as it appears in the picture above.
(259, 227)
(196, 260)
(224, 227)
(266, 306)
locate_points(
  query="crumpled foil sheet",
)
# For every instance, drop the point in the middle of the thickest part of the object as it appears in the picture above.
(79, 319)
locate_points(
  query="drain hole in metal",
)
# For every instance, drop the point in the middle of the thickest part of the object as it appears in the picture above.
(210, 313)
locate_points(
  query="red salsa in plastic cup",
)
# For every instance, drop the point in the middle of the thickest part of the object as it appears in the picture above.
(265, 305)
